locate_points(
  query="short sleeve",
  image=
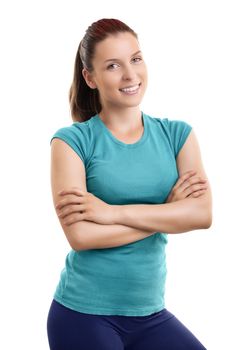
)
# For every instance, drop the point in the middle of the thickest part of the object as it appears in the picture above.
(179, 131)
(75, 136)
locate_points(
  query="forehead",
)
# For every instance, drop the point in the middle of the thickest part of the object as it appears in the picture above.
(116, 46)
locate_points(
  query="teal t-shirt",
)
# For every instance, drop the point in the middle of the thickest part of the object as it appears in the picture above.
(127, 280)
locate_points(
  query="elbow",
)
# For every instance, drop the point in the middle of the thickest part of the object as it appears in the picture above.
(77, 243)
(74, 234)
(210, 220)
(206, 225)
(76, 246)
(207, 222)
(204, 214)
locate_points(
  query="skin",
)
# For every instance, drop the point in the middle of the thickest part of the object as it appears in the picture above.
(78, 205)
(120, 112)
(122, 115)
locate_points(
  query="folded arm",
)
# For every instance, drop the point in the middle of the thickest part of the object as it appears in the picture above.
(180, 216)
(185, 215)
(85, 235)
(131, 222)
(67, 170)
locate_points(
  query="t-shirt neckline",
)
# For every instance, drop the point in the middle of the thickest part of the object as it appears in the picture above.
(121, 143)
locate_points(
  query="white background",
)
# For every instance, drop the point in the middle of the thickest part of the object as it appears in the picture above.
(187, 46)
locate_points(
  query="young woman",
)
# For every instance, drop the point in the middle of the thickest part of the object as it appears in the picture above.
(122, 181)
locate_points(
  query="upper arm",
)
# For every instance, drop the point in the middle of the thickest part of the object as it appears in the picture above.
(67, 170)
(189, 158)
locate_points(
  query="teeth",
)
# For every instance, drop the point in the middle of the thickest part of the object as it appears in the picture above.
(131, 89)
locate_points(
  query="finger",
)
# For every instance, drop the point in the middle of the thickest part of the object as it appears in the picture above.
(201, 190)
(74, 218)
(70, 210)
(69, 199)
(194, 188)
(196, 179)
(184, 177)
(192, 182)
(74, 190)
(190, 172)
(197, 193)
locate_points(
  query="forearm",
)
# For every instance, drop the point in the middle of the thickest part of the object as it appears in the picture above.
(176, 217)
(95, 236)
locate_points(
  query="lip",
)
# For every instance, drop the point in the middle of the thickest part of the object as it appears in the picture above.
(130, 86)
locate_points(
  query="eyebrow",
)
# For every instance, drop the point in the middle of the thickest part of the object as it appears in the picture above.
(117, 59)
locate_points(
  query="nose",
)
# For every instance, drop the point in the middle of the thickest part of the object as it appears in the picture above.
(129, 73)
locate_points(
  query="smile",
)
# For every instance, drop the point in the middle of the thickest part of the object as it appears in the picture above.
(131, 89)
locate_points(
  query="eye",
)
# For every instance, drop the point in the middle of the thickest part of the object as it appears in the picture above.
(111, 66)
(137, 59)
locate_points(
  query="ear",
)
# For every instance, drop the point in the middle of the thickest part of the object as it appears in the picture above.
(88, 78)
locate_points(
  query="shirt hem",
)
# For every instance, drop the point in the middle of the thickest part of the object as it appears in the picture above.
(109, 311)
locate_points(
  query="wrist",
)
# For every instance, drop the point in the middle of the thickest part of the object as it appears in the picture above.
(116, 214)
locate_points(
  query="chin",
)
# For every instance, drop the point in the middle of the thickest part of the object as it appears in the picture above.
(131, 105)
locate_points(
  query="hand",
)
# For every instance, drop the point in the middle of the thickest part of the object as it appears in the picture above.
(78, 205)
(187, 186)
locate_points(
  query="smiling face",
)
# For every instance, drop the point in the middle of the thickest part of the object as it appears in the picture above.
(119, 71)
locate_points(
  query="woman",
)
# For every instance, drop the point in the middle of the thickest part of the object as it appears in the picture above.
(128, 180)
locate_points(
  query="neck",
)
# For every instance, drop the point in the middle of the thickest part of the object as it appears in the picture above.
(122, 121)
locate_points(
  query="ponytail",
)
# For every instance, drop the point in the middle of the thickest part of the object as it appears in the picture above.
(84, 101)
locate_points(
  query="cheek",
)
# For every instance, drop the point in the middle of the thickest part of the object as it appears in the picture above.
(112, 82)
(145, 78)
(144, 71)
(115, 78)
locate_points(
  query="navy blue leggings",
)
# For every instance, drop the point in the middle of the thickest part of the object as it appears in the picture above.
(72, 330)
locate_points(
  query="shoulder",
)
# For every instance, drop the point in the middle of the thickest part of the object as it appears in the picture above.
(175, 130)
(169, 124)
(76, 128)
(78, 136)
